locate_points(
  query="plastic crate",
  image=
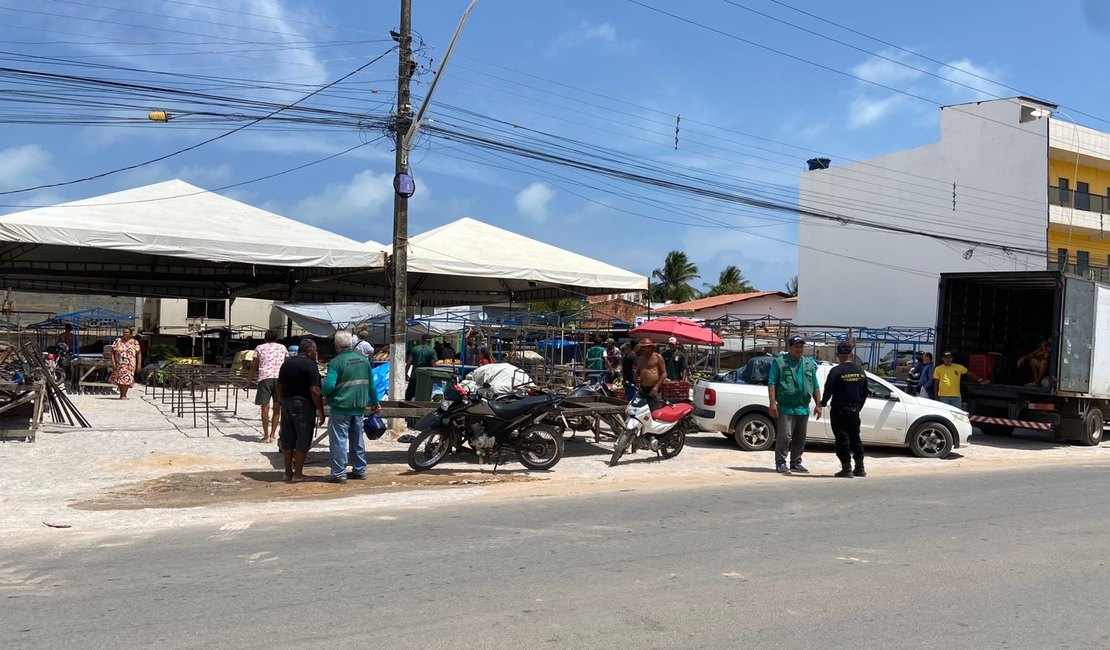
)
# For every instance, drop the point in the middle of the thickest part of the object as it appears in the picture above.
(981, 365)
(675, 391)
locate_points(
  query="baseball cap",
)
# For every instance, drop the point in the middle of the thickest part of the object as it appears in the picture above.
(947, 353)
(672, 340)
(794, 340)
(844, 347)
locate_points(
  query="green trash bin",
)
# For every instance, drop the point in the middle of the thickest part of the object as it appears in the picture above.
(432, 381)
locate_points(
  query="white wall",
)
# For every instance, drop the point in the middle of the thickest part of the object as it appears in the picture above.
(171, 315)
(1000, 167)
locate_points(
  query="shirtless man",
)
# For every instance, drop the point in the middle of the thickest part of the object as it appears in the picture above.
(1037, 361)
(651, 370)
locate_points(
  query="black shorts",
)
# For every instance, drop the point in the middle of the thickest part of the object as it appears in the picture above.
(298, 423)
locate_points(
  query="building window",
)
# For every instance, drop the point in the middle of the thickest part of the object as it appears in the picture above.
(1082, 262)
(1062, 259)
(1082, 196)
(207, 309)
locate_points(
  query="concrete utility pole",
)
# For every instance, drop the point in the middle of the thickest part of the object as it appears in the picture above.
(399, 260)
(405, 129)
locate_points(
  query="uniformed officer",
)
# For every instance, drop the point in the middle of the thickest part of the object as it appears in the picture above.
(846, 385)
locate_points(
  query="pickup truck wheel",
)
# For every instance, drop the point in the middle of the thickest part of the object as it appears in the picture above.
(754, 432)
(1091, 434)
(931, 440)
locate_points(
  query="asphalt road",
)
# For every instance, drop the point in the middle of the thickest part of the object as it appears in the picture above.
(1013, 559)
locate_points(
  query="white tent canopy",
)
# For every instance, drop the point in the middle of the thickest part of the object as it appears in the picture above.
(324, 319)
(173, 239)
(470, 262)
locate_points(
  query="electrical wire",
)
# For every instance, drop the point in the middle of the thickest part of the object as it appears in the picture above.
(199, 144)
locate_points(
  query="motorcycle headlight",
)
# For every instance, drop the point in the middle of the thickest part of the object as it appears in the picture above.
(444, 405)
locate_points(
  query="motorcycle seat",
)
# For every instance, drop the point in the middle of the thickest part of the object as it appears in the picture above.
(509, 410)
(672, 412)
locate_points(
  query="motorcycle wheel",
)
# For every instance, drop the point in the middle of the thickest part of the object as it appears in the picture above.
(429, 448)
(59, 377)
(673, 444)
(622, 443)
(539, 446)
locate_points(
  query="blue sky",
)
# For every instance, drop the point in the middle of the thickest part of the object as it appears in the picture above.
(610, 73)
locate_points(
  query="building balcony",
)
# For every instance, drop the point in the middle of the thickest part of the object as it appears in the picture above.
(1098, 274)
(1078, 209)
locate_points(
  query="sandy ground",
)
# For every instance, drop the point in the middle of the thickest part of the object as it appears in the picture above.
(143, 468)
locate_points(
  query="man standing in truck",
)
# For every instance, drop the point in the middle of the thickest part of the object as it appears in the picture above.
(947, 377)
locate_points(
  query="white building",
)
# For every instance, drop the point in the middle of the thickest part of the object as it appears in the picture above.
(176, 316)
(987, 180)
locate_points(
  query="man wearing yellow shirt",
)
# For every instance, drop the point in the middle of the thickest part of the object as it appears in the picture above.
(947, 379)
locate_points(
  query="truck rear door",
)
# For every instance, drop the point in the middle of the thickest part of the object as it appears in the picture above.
(1077, 326)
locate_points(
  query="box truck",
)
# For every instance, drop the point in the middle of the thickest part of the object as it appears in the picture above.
(990, 321)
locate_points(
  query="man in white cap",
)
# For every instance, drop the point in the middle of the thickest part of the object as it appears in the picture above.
(675, 359)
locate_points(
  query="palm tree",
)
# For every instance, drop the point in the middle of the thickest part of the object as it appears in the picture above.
(673, 280)
(561, 307)
(792, 286)
(731, 280)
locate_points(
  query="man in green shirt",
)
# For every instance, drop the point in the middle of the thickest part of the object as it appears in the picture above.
(348, 387)
(421, 356)
(595, 358)
(791, 382)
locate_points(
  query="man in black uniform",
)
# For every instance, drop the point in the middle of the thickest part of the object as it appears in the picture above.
(846, 385)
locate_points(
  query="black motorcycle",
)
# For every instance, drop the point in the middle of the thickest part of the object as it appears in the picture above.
(488, 426)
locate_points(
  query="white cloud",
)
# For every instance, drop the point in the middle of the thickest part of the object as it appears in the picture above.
(368, 196)
(591, 34)
(888, 71)
(865, 111)
(534, 202)
(967, 73)
(958, 81)
(24, 166)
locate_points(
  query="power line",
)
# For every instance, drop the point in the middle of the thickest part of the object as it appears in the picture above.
(204, 142)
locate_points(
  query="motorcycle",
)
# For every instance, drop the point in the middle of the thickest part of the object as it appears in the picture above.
(488, 426)
(662, 430)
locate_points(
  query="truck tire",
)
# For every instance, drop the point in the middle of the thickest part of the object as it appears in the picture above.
(1091, 433)
(1001, 430)
(931, 440)
(754, 432)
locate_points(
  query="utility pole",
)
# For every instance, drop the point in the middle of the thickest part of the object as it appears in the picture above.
(401, 121)
(405, 129)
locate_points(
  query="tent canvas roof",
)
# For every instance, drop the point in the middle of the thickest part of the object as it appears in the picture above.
(173, 239)
(471, 262)
(177, 219)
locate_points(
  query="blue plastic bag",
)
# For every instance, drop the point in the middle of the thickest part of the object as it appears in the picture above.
(374, 426)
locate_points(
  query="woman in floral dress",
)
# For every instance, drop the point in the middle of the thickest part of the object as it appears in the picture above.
(127, 356)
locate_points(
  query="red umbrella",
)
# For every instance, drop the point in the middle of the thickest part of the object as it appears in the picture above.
(683, 329)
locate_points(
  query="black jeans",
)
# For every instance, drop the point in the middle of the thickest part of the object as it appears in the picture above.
(845, 427)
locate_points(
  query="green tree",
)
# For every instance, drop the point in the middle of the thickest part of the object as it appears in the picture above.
(792, 286)
(673, 280)
(561, 307)
(731, 280)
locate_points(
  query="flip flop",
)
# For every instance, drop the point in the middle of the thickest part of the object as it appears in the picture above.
(298, 479)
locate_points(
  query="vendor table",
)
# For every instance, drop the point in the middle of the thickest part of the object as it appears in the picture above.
(84, 367)
(14, 395)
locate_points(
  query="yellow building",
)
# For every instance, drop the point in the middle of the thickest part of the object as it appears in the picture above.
(1078, 207)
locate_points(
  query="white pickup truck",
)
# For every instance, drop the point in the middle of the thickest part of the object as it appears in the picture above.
(735, 404)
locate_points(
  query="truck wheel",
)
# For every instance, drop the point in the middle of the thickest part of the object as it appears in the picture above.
(754, 432)
(1091, 434)
(997, 430)
(931, 440)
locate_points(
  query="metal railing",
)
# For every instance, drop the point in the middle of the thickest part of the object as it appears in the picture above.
(1098, 274)
(1079, 200)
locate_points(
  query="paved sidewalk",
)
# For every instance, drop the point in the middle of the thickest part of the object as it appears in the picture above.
(141, 468)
